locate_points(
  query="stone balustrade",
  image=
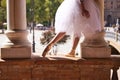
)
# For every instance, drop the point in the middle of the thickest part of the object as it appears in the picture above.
(60, 68)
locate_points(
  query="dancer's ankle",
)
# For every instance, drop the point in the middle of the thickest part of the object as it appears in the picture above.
(72, 52)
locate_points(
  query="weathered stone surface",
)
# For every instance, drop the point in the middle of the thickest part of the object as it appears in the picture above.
(59, 69)
(96, 52)
(18, 52)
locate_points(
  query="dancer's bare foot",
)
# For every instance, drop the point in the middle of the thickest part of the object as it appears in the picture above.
(46, 50)
(71, 54)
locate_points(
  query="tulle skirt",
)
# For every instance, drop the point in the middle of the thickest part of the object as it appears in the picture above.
(70, 20)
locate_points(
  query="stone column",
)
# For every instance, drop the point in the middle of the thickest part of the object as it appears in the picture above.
(94, 46)
(19, 46)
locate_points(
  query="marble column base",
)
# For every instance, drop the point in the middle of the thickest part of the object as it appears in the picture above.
(18, 46)
(94, 46)
(95, 52)
(16, 52)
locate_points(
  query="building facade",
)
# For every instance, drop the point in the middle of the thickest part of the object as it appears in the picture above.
(112, 11)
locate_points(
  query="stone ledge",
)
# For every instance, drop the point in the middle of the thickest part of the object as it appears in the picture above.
(57, 68)
(63, 59)
(16, 52)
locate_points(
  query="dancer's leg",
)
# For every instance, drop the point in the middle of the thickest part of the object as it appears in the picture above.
(75, 43)
(58, 37)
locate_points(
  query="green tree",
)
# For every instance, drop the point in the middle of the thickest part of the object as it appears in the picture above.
(2, 14)
(28, 7)
(39, 11)
(2, 10)
(44, 10)
(51, 7)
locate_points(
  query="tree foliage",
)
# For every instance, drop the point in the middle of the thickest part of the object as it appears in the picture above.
(2, 10)
(43, 10)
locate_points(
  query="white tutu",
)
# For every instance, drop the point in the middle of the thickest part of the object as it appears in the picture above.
(70, 20)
